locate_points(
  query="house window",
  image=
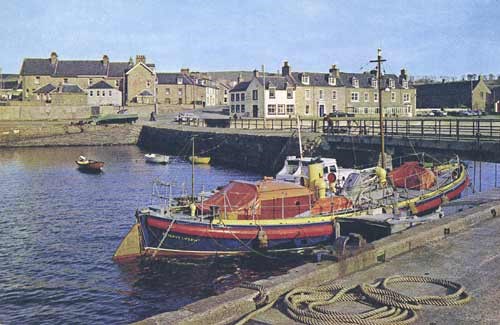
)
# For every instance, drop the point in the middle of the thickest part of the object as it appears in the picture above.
(167, 100)
(405, 84)
(243, 108)
(367, 97)
(104, 93)
(232, 108)
(305, 80)
(65, 80)
(179, 81)
(109, 93)
(98, 93)
(272, 93)
(167, 91)
(237, 108)
(148, 83)
(225, 99)
(117, 83)
(281, 109)
(321, 94)
(237, 97)
(355, 83)
(255, 95)
(37, 80)
(366, 110)
(406, 97)
(289, 93)
(91, 93)
(242, 96)
(332, 81)
(271, 109)
(334, 95)
(393, 97)
(354, 97)
(290, 109)
(307, 109)
(334, 108)
(375, 97)
(232, 97)
(179, 92)
(308, 94)
(391, 83)
(374, 83)
(90, 81)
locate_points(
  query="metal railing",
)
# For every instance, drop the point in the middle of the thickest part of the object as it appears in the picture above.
(437, 128)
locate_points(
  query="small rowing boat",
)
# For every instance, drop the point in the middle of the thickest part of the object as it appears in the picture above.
(156, 159)
(88, 165)
(199, 160)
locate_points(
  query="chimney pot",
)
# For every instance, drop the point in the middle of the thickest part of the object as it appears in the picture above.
(53, 58)
(105, 59)
(256, 73)
(140, 58)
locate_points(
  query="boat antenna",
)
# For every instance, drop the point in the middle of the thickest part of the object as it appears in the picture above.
(379, 61)
(192, 170)
(300, 138)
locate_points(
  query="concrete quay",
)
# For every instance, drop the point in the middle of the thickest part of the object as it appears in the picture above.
(461, 247)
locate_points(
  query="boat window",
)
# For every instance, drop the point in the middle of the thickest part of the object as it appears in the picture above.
(325, 170)
(350, 182)
(333, 169)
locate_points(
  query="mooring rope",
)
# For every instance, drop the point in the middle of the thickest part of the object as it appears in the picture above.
(312, 305)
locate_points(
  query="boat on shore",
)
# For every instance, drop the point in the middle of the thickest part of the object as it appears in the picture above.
(154, 158)
(199, 160)
(88, 165)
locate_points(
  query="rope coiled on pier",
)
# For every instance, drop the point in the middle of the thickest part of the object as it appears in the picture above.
(309, 305)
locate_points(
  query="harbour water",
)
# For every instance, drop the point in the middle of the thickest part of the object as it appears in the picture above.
(59, 228)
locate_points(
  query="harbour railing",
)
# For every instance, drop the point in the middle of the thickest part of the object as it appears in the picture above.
(445, 128)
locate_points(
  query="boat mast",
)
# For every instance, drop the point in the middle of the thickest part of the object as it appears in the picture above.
(192, 171)
(379, 61)
(300, 138)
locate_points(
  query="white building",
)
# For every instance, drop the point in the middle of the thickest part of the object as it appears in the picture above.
(274, 100)
(102, 93)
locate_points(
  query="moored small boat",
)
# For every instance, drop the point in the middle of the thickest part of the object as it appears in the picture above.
(199, 160)
(88, 165)
(156, 158)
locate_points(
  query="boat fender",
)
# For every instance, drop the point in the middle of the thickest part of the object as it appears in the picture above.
(331, 178)
(192, 206)
(382, 176)
(262, 238)
(455, 174)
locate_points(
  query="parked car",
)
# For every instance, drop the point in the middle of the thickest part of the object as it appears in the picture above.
(465, 113)
(186, 117)
(340, 114)
(438, 112)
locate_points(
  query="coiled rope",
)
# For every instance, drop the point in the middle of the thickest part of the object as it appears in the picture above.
(309, 305)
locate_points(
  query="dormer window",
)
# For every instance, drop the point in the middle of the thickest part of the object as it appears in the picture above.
(374, 83)
(305, 79)
(391, 83)
(332, 81)
(272, 93)
(355, 82)
(405, 84)
(179, 81)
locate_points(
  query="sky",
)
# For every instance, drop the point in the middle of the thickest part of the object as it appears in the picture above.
(427, 37)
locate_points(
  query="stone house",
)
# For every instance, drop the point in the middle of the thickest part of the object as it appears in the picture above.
(102, 93)
(39, 72)
(185, 88)
(471, 94)
(10, 87)
(69, 95)
(139, 82)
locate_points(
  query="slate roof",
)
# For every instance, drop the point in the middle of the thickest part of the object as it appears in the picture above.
(11, 84)
(68, 88)
(345, 79)
(72, 68)
(168, 78)
(45, 89)
(281, 83)
(242, 86)
(101, 85)
(447, 94)
(145, 92)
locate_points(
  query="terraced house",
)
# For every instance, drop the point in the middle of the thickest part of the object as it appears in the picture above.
(313, 94)
(39, 74)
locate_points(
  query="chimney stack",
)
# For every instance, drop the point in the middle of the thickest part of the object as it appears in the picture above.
(403, 75)
(334, 71)
(285, 69)
(53, 58)
(185, 71)
(256, 73)
(105, 59)
(140, 58)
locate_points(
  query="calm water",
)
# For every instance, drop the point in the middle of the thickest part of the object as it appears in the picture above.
(59, 229)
